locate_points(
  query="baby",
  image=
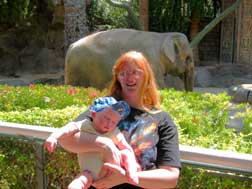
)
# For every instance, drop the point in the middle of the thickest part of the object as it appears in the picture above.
(106, 113)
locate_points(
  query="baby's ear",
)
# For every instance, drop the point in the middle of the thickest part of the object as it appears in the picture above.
(93, 114)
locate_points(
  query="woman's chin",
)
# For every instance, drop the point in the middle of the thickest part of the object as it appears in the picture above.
(131, 91)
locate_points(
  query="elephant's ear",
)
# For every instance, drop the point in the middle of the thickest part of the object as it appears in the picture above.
(170, 48)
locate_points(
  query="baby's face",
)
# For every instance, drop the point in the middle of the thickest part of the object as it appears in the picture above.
(105, 120)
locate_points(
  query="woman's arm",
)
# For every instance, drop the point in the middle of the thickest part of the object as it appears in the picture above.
(162, 178)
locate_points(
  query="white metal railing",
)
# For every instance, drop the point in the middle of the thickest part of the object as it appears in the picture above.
(195, 156)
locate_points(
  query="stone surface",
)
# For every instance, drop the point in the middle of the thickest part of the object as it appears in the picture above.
(27, 79)
(222, 75)
(174, 82)
(203, 77)
(236, 123)
(26, 50)
(241, 93)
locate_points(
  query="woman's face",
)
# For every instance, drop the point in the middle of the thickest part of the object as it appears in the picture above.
(131, 78)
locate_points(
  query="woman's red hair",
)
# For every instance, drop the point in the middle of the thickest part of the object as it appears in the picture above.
(149, 93)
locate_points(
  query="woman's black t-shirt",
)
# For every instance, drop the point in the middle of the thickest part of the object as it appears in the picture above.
(153, 137)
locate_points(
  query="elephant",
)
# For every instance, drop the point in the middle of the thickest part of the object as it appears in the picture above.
(89, 61)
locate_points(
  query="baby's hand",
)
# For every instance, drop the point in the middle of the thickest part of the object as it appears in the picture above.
(50, 143)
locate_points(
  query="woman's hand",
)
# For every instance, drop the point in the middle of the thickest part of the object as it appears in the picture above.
(117, 177)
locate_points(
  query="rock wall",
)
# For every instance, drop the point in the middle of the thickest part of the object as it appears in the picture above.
(33, 48)
(209, 47)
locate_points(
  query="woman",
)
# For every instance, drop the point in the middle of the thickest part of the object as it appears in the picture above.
(149, 130)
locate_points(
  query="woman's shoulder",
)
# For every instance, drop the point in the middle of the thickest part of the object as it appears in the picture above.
(84, 115)
(161, 116)
(153, 111)
(158, 112)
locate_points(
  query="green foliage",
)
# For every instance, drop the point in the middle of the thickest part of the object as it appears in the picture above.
(102, 16)
(201, 8)
(175, 16)
(164, 16)
(192, 178)
(60, 170)
(12, 11)
(16, 164)
(247, 116)
(167, 16)
(245, 138)
(44, 97)
(43, 117)
(201, 120)
(25, 13)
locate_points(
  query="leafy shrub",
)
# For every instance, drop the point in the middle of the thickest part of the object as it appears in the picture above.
(15, 11)
(45, 97)
(192, 178)
(17, 168)
(102, 16)
(201, 121)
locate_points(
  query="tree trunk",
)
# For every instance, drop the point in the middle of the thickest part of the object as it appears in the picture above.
(75, 21)
(144, 13)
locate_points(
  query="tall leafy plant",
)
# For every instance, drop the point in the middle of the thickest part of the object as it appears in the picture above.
(13, 11)
(103, 15)
(176, 15)
(167, 16)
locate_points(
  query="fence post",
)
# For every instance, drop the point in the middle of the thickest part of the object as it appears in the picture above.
(40, 162)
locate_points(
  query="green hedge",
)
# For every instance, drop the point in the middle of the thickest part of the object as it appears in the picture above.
(201, 120)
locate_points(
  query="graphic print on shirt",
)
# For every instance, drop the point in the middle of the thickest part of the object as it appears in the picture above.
(142, 135)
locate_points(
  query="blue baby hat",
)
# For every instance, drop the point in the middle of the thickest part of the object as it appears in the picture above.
(121, 107)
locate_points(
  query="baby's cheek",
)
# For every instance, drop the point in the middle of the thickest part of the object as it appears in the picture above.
(112, 128)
